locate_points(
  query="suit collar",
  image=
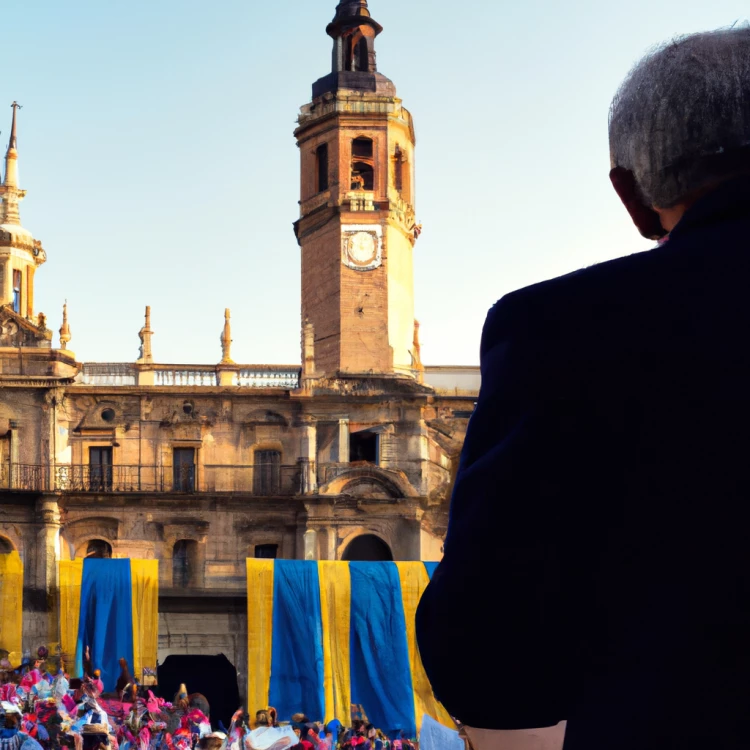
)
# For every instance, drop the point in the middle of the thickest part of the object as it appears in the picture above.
(729, 202)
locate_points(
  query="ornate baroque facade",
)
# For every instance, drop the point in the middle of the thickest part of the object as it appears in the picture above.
(348, 455)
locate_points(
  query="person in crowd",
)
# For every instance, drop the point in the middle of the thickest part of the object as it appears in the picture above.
(596, 566)
(11, 736)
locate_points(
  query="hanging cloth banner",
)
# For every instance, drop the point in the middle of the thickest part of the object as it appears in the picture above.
(324, 636)
(106, 620)
(71, 573)
(111, 606)
(11, 605)
(144, 575)
(297, 641)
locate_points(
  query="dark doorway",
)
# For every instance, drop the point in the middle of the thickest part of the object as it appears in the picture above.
(185, 564)
(100, 469)
(364, 446)
(266, 551)
(368, 548)
(212, 676)
(184, 469)
(267, 475)
(99, 549)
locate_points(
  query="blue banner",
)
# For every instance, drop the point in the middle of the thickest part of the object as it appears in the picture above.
(381, 671)
(297, 644)
(106, 618)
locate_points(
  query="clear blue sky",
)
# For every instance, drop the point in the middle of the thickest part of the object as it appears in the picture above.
(156, 145)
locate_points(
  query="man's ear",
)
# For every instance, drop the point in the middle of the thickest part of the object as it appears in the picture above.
(644, 217)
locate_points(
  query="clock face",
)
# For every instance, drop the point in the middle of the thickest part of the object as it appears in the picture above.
(361, 248)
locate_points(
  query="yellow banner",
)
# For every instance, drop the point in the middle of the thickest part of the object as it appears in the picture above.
(144, 576)
(259, 632)
(414, 581)
(71, 574)
(11, 605)
(335, 598)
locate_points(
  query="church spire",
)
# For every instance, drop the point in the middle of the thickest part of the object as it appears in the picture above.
(9, 190)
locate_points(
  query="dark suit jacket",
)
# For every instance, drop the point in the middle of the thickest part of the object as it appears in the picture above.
(597, 563)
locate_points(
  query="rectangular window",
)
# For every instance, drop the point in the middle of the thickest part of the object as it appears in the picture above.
(266, 551)
(321, 164)
(267, 480)
(183, 469)
(364, 446)
(100, 469)
(17, 281)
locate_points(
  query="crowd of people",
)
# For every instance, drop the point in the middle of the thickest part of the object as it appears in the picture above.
(41, 708)
(269, 734)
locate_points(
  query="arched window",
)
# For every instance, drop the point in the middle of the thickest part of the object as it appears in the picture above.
(357, 53)
(99, 549)
(185, 564)
(6, 546)
(363, 164)
(368, 548)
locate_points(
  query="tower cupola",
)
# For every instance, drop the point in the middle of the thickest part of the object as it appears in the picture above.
(354, 66)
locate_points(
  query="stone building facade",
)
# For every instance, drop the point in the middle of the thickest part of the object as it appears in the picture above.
(347, 455)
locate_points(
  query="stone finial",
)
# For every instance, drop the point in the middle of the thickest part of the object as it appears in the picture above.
(226, 340)
(145, 356)
(65, 328)
(308, 350)
(416, 354)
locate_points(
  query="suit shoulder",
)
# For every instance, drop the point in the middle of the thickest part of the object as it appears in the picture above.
(543, 309)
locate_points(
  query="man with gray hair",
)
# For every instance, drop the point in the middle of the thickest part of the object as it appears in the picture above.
(597, 562)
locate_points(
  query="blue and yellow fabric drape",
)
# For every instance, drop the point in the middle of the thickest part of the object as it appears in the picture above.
(11, 604)
(111, 606)
(323, 636)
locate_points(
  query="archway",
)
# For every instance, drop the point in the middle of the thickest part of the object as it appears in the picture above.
(6, 546)
(185, 563)
(368, 548)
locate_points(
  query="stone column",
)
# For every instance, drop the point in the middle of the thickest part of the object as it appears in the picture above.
(308, 456)
(311, 545)
(332, 539)
(47, 555)
(15, 454)
(343, 442)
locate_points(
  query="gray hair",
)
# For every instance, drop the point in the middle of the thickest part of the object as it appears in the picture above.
(680, 117)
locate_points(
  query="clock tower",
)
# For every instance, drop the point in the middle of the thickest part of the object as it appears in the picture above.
(357, 228)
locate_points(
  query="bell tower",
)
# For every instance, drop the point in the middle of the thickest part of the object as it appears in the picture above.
(357, 228)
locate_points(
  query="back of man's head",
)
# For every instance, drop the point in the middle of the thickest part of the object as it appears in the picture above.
(681, 120)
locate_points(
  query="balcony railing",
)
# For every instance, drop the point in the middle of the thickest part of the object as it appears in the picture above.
(24, 478)
(262, 480)
(182, 376)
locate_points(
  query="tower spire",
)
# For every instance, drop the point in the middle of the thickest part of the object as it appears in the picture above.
(9, 190)
(13, 143)
(65, 328)
(145, 334)
(226, 340)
